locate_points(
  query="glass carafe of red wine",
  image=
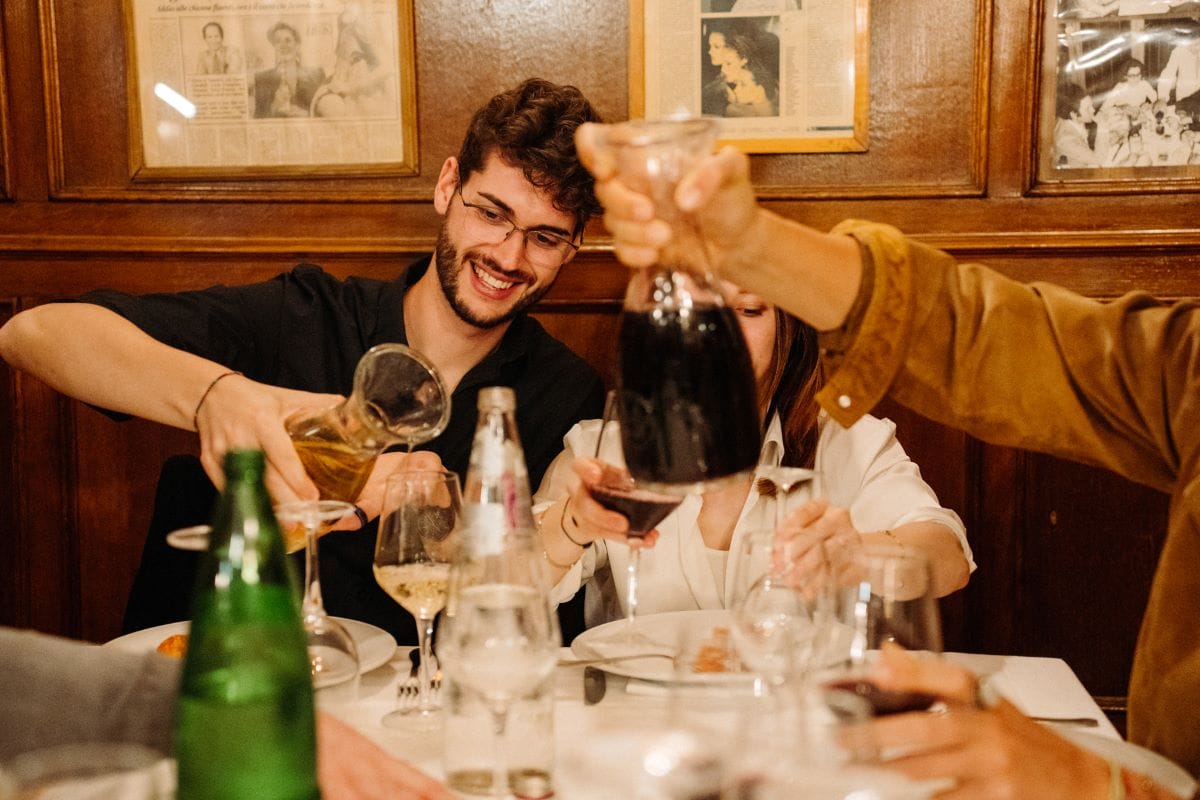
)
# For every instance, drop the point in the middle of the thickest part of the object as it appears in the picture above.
(687, 402)
(398, 398)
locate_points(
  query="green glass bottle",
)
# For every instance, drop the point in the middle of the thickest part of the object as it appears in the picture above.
(245, 724)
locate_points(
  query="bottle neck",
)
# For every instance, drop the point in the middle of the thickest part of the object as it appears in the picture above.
(497, 498)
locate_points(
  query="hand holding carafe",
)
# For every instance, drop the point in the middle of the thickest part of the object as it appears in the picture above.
(681, 429)
(398, 397)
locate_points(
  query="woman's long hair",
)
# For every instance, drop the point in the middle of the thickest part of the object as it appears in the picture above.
(790, 386)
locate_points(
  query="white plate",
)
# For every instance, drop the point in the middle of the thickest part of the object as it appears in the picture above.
(1138, 759)
(654, 633)
(375, 645)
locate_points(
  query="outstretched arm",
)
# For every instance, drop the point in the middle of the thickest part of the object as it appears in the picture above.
(97, 356)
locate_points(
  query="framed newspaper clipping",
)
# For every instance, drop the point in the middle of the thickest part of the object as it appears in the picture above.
(1120, 96)
(265, 87)
(785, 76)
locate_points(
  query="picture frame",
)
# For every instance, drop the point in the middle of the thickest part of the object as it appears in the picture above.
(251, 89)
(784, 76)
(1113, 115)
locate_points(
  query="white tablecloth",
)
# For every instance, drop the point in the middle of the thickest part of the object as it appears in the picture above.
(1038, 686)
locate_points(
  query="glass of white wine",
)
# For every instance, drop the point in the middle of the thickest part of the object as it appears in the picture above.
(417, 541)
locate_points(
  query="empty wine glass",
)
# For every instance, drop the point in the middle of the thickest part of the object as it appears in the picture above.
(883, 594)
(644, 508)
(398, 397)
(332, 653)
(417, 542)
(501, 645)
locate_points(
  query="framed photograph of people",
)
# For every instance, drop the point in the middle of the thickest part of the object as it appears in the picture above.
(306, 87)
(784, 76)
(1120, 94)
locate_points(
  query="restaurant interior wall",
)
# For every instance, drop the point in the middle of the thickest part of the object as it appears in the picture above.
(1065, 552)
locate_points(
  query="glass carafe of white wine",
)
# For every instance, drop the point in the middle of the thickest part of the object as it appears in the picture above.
(688, 409)
(398, 397)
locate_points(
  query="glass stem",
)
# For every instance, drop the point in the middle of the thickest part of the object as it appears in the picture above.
(314, 604)
(425, 703)
(631, 597)
(499, 761)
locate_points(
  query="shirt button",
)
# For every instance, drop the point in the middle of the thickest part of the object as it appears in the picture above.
(844, 401)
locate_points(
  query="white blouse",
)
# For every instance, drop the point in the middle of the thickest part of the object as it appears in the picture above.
(862, 468)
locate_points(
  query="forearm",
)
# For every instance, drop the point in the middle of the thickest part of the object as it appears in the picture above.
(57, 691)
(95, 355)
(813, 275)
(938, 543)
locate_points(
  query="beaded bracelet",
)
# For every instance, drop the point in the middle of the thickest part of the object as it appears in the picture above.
(203, 397)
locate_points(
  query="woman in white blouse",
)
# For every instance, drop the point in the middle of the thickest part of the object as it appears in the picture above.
(869, 491)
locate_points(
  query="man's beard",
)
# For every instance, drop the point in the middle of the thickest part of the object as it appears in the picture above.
(447, 261)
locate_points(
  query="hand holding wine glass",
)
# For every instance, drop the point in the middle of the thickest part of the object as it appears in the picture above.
(643, 507)
(418, 540)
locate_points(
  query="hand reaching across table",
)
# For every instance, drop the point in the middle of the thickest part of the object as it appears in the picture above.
(989, 749)
(352, 767)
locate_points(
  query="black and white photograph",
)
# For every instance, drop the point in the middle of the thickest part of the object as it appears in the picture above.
(782, 76)
(1127, 89)
(325, 84)
(740, 67)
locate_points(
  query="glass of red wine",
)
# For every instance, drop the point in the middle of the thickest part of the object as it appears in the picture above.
(883, 594)
(643, 507)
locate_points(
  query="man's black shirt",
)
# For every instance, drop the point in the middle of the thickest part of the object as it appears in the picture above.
(307, 330)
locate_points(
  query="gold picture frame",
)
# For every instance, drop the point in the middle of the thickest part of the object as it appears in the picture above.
(785, 76)
(322, 88)
(1114, 116)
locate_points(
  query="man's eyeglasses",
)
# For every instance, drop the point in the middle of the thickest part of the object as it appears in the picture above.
(490, 225)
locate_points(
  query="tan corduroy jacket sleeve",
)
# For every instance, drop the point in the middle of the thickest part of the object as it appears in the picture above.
(1035, 366)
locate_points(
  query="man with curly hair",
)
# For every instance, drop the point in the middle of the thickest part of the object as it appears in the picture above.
(232, 362)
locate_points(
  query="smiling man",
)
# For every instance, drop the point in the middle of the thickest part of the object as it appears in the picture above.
(232, 362)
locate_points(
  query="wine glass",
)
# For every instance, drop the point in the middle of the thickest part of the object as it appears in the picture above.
(884, 593)
(644, 508)
(398, 397)
(502, 645)
(417, 542)
(332, 653)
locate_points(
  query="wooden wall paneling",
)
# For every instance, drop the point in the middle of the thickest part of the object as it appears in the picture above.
(118, 466)
(1091, 545)
(14, 579)
(5, 145)
(913, 153)
(995, 514)
(43, 575)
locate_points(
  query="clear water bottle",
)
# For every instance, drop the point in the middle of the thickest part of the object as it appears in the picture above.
(245, 724)
(499, 637)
